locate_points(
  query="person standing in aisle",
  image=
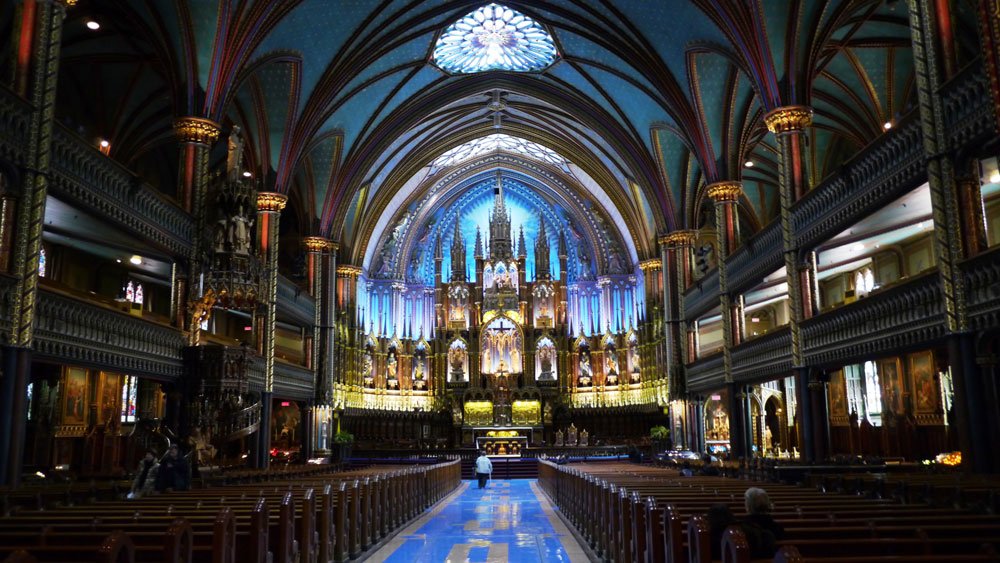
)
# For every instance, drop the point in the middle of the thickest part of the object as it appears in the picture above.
(483, 468)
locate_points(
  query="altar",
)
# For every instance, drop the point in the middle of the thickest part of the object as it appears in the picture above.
(502, 442)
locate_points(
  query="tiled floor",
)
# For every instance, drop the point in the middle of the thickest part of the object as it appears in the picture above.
(508, 521)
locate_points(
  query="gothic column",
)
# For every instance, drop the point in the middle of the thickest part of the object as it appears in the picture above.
(8, 216)
(321, 278)
(788, 124)
(989, 35)
(196, 136)
(675, 248)
(347, 334)
(944, 169)
(269, 206)
(726, 197)
(37, 66)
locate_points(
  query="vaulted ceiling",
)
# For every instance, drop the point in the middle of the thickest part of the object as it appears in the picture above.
(342, 106)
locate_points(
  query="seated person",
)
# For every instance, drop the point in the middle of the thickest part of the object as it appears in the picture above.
(719, 518)
(686, 470)
(707, 468)
(761, 529)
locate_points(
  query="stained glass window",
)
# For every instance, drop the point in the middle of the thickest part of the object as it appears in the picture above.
(495, 142)
(494, 37)
(129, 394)
(133, 293)
(41, 263)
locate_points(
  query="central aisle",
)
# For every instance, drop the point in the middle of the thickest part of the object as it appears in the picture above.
(508, 521)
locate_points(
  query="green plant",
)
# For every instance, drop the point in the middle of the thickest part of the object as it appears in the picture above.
(343, 438)
(659, 433)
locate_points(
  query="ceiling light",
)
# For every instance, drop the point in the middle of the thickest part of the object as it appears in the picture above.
(995, 177)
(247, 174)
(92, 25)
(119, 260)
(748, 164)
(878, 246)
(135, 259)
(887, 125)
(858, 247)
(920, 225)
(105, 144)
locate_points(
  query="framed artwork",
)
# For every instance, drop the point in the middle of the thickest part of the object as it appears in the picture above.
(891, 376)
(75, 393)
(924, 379)
(108, 394)
(838, 394)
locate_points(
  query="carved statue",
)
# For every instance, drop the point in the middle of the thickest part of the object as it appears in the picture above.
(571, 435)
(612, 361)
(584, 438)
(586, 373)
(456, 358)
(559, 438)
(545, 358)
(391, 365)
(234, 159)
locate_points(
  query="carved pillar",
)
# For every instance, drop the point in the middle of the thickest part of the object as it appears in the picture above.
(321, 273)
(788, 125)
(269, 206)
(989, 34)
(726, 196)
(946, 202)
(675, 248)
(739, 433)
(37, 62)
(8, 216)
(818, 429)
(196, 136)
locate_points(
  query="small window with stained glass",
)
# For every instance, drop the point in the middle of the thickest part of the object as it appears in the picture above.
(129, 395)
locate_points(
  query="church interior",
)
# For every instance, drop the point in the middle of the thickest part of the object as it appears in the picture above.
(621, 249)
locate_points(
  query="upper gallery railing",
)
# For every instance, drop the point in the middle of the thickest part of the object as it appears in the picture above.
(907, 314)
(764, 357)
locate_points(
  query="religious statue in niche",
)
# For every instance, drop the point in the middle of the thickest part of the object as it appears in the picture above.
(456, 361)
(546, 357)
(633, 362)
(392, 370)
(586, 372)
(366, 369)
(419, 379)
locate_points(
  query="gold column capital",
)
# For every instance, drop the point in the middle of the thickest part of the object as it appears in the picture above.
(679, 238)
(271, 201)
(316, 244)
(651, 264)
(788, 118)
(196, 130)
(725, 191)
(347, 270)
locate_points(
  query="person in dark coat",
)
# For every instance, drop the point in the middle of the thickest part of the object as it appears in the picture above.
(145, 476)
(174, 473)
(761, 529)
(719, 518)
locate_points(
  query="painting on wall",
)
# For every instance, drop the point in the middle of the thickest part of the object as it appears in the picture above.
(838, 394)
(891, 375)
(75, 393)
(925, 388)
(108, 394)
